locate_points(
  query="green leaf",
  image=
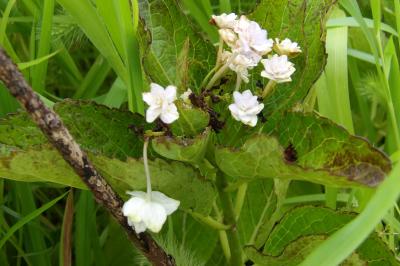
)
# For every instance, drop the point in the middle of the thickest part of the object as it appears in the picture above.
(183, 149)
(177, 54)
(304, 228)
(258, 207)
(175, 179)
(104, 134)
(309, 148)
(96, 128)
(302, 21)
(44, 165)
(192, 121)
(195, 238)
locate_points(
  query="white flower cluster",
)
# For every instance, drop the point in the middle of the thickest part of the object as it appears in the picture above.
(248, 43)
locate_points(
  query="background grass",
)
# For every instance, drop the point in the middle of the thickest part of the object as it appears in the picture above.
(67, 49)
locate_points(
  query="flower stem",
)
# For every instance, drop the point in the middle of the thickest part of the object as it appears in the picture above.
(238, 82)
(220, 72)
(268, 89)
(219, 55)
(229, 218)
(146, 167)
(239, 201)
(209, 221)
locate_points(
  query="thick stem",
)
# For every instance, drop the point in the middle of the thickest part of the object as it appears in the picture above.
(146, 168)
(268, 89)
(229, 218)
(58, 135)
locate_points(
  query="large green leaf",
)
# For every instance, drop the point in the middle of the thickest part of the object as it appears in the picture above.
(303, 228)
(177, 54)
(309, 148)
(172, 178)
(302, 21)
(96, 128)
(104, 134)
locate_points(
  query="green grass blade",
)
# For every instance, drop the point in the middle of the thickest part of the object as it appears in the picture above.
(88, 20)
(201, 19)
(40, 71)
(26, 219)
(25, 65)
(225, 6)
(343, 242)
(4, 20)
(84, 210)
(93, 79)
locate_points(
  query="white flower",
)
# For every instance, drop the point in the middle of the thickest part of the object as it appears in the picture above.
(252, 37)
(185, 96)
(161, 103)
(224, 21)
(145, 212)
(287, 47)
(278, 68)
(228, 36)
(245, 107)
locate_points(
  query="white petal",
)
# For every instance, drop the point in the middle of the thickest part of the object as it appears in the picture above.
(154, 216)
(148, 98)
(139, 227)
(132, 209)
(170, 93)
(156, 89)
(152, 113)
(169, 114)
(170, 205)
(234, 111)
(136, 193)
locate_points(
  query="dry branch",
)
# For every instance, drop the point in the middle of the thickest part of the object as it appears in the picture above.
(54, 129)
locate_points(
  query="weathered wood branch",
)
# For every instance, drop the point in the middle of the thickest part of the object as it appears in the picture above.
(52, 126)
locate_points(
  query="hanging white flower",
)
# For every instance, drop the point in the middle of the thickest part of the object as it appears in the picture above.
(252, 37)
(161, 103)
(225, 21)
(287, 47)
(278, 69)
(145, 212)
(245, 107)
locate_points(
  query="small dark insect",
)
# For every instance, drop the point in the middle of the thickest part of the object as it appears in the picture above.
(290, 154)
(259, 84)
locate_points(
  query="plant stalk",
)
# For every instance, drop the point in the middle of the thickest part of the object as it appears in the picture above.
(229, 217)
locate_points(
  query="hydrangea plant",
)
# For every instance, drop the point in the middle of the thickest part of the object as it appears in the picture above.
(226, 130)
